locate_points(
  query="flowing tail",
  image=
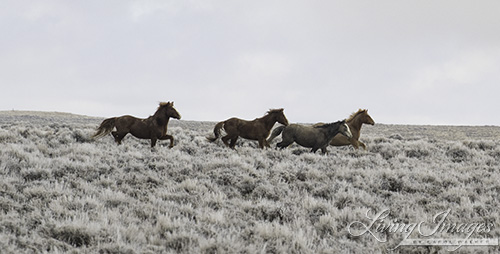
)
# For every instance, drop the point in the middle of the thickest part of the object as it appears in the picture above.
(217, 129)
(105, 128)
(277, 131)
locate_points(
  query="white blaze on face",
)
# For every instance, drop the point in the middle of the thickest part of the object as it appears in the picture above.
(348, 132)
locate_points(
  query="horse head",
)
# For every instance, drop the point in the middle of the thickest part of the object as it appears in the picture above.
(367, 118)
(344, 129)
(169, 109)
(280, 116)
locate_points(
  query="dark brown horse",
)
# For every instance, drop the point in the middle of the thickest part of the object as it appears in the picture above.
(153, 127)
(257, 129)
(355, 121)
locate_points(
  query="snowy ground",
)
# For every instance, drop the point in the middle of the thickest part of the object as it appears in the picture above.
(63, 192)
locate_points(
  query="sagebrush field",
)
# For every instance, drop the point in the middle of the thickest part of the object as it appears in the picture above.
(62, 192)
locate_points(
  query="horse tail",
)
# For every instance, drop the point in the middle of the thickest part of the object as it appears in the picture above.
(105, 128)
(277, 131)
(217, 130)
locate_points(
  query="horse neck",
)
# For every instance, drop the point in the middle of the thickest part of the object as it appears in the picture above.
(332, 130)
(268, 120)
(160, 118)
(356, 123)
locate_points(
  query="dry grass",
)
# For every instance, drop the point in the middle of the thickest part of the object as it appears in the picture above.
(64, 193)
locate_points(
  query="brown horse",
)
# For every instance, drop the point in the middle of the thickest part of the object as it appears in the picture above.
(257, 129)
(154, 127)
(355, 121)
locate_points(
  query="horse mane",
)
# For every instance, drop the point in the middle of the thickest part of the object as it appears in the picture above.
(327, 125)
(272, 111)
(164, 104)
(355, 114)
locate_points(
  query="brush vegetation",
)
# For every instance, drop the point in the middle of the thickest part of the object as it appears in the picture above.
(62, 192)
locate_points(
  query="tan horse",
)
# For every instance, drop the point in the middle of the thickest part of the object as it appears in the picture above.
(355, 121)
(257, 129)
(154, 127)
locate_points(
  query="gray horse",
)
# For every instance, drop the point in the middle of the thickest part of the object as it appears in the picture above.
(310, 136)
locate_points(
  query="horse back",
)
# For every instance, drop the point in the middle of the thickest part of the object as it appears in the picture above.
(138, 127)
(301, 130)
(127, 121)
(307, 136)
(246, 129)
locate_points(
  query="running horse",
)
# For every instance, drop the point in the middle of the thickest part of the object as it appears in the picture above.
(355, 121)
(314, 137)
(257, 129)
(153, 127)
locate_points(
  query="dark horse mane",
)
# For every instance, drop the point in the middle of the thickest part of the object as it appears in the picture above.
(161, 119)
(328, 125)
(272, 111)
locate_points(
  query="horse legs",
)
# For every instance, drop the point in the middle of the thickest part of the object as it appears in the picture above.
(356, 144)
(323, 150)
(233, 142)
(228, 138)
(362, 144)
(153, 142)
(118, 136)
(115, 135)
(225, 139)
(263, 143)
(286, 140)
(170, 137)
(284, 144)
(267, 143)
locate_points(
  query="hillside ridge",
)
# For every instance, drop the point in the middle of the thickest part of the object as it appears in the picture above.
(446, 132)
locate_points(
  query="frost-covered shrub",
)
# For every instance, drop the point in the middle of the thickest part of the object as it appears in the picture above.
(386, 150)
(269, 191)
(495, 154)
(419, 150)
(482, 145)
(63, 192)
(325, 191)
(246, 185)
(179, 242)
(7, 136)
(459, 153)
(396, 136)
(391, 183)
(35, 174)
(75, 236)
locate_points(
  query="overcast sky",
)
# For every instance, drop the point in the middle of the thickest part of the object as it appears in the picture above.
(408, 62)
